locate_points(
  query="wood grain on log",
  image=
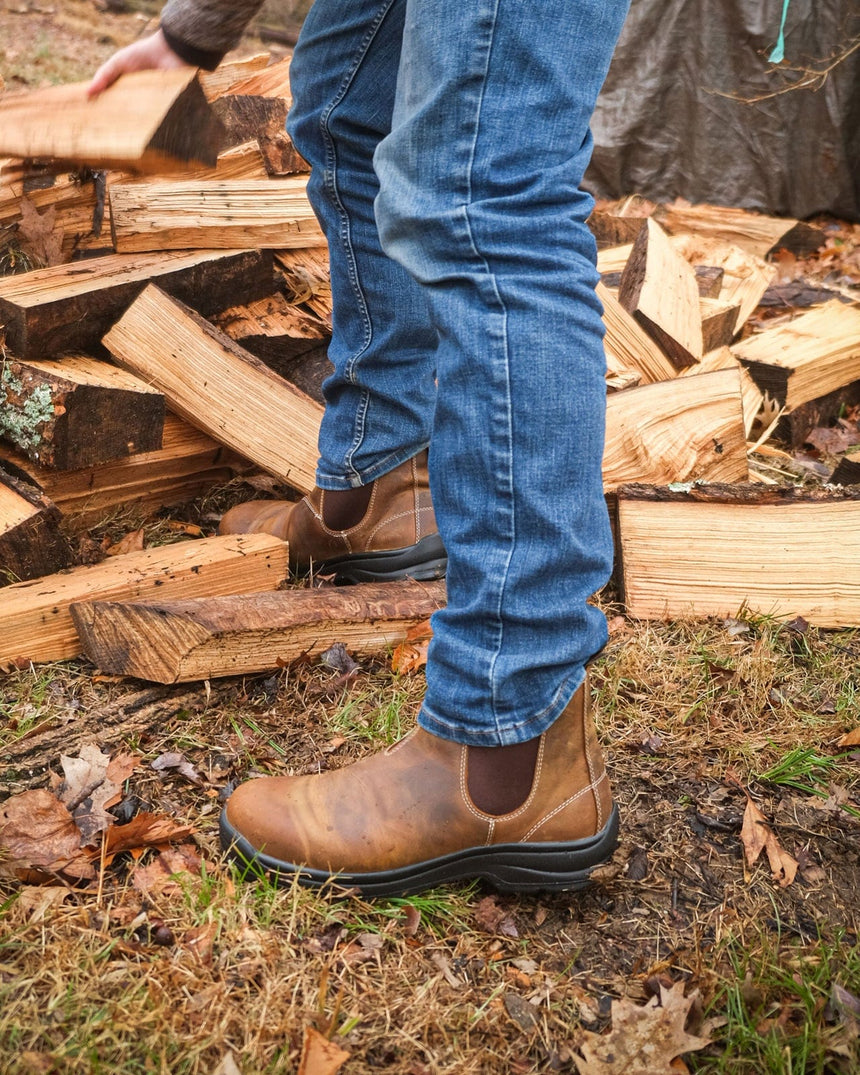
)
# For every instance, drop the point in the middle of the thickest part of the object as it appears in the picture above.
(268, 213)
(810, 356)
(659, 288)
(215, 384)
(147, 121)
(177, 641)
(736, 550)
(188, 464)
(35, 621)
(31, 543)
(628, 346)
(691, 427)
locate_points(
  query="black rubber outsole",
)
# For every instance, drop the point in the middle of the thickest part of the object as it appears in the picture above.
(550, 867)
(423, 561)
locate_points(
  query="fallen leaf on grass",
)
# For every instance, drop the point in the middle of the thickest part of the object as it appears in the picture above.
(320, 1056)
(146, 830)
(757, 836)
(93, 783)
(201, 941)
(34, 901)
(40, 838)
(850, 739)
(161, 876)
(643, 1040)
(520, 1011)
(181, 764)
(494, 919)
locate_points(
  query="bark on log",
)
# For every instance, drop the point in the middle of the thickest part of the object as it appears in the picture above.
(78, 412)
(69, 308)
(31, 543)
(178, 641)
(188, 464)
(35, 621)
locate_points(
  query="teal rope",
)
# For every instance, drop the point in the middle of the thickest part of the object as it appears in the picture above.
(778, 53)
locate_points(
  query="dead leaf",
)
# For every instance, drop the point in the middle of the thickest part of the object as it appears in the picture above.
(201, 941)
(337, 658)
(411, 654)
(520, 1011)
(320, 1056)
(412, 920)
(41, 233)
(757, 836)
(160, 875)
(34, 901)
(643, 1040)
(228, 1066)
(850, 739)
(132, 542)
(40, 836)
(87, 792)
(146, 830)
(494, 919)
(181, 764)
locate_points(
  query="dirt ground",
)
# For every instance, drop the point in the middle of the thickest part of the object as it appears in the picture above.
(179, 964)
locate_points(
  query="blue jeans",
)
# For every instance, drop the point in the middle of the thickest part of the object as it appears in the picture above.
(447, 142)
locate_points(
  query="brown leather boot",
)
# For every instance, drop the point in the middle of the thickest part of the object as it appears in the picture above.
(405, 819)
(395, 538)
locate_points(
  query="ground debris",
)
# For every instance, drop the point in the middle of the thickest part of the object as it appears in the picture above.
(643, 1039)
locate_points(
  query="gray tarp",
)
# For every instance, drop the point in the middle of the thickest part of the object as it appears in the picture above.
(678, 116)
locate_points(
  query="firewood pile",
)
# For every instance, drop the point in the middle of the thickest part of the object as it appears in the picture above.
(168, 332)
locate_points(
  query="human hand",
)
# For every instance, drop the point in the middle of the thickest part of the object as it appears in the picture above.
(149, 53)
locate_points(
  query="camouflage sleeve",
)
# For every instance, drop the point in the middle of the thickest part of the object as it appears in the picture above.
(202, 31)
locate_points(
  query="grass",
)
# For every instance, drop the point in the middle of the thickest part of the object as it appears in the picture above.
(121, 980)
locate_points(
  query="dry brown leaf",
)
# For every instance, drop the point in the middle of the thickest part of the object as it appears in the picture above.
(850, 739)
(40, 836)
(201, 941)
(757, 836)
(87, 791)
(146, 830)
(160, 875)
(41, 233)
(643, 1040)
(132, 542)
(319, 1055)
(411, 654)
(34, 901)
(174, 760)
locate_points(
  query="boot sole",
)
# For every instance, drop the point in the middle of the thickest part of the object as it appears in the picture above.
(550, 867)
(423, 561)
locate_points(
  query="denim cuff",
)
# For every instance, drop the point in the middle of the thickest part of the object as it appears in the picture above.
(197, 57)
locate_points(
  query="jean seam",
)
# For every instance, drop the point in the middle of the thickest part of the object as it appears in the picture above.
(503, 580)
(345, 235)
